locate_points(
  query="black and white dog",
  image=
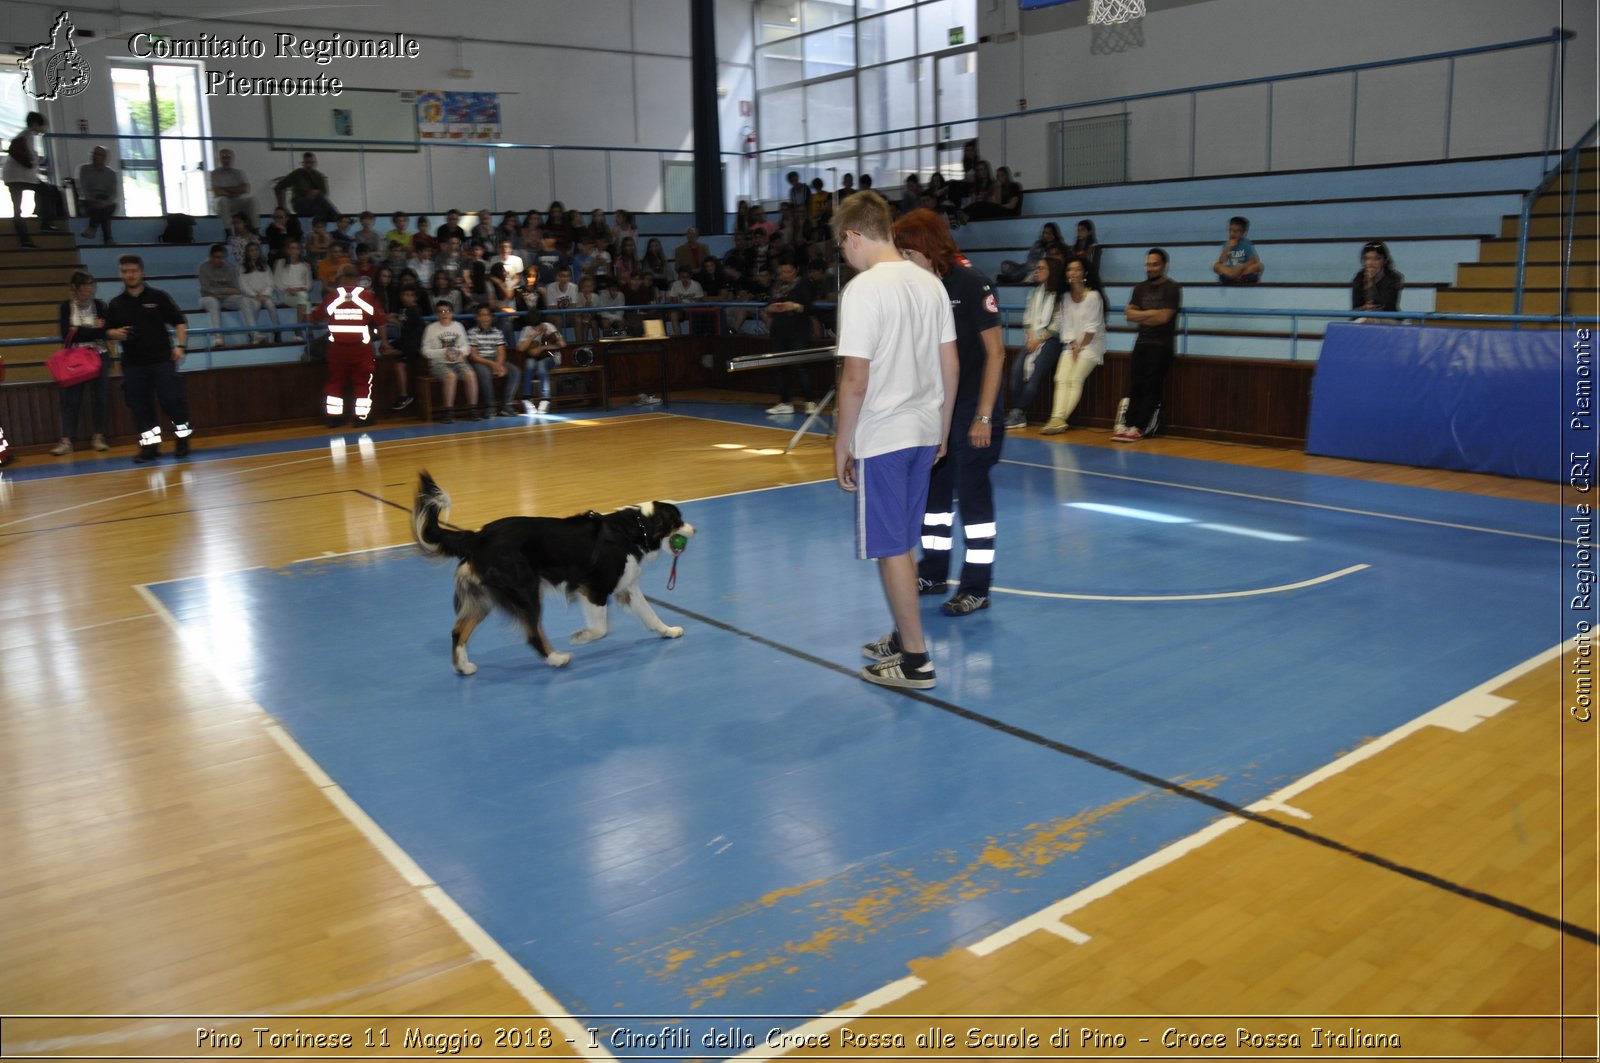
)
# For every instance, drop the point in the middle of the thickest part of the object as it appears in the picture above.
(507, 563)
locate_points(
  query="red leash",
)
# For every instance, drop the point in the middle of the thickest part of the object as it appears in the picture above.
(676, 544)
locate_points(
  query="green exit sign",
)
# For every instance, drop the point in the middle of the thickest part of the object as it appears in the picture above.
(958, 35)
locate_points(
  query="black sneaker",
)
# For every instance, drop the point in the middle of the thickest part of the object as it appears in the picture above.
(146, 455)
(930, 586)
(892, 672)
(334, 422)
(884, 648)
(447, 418)
(181, 448)
(402, 402)
(963, 604)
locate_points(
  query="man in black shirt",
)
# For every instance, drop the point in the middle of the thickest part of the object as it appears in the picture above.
(1154, 307)
(788, 320)
(138, 319)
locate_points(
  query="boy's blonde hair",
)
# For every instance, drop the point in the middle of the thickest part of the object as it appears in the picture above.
(866, 213)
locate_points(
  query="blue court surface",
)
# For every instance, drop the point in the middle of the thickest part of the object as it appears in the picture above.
(732, 823)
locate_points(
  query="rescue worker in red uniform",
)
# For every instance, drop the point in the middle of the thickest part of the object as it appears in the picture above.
(355, 321)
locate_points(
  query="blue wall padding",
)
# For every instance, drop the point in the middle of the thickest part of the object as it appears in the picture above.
(1482, 400)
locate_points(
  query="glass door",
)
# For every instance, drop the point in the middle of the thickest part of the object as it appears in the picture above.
(160, 109)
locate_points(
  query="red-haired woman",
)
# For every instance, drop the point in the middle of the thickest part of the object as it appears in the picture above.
(976, 432)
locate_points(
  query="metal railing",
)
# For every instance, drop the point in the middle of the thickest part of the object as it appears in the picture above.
(927, 135)
(642, 169)
(1009, 313)
(1571, 161)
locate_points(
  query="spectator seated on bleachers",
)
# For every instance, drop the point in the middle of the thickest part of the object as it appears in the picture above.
(1238, 262)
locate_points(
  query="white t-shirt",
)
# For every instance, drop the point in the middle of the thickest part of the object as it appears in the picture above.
(445, 343)
(1084, 319)
(514, 268)
(544, 332)
(685, 292)
(288, 275)
(897, 315)
(256, 283)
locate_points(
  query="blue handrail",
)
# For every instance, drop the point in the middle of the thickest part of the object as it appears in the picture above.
(1570, 159)
(1557, 35)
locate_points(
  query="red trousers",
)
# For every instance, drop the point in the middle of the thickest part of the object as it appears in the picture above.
(350, 363)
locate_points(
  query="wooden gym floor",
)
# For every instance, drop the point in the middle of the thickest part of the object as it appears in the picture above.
(176, 868)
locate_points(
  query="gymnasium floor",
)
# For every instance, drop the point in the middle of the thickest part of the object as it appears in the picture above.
(729, 832)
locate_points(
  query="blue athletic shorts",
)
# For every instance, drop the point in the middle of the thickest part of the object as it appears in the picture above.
(891, 497)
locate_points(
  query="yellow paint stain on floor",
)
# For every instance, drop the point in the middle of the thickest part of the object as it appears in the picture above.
(853, 907)
(1049, 842)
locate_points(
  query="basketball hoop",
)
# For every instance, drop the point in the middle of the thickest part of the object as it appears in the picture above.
(1115, 12)
(1116, 25)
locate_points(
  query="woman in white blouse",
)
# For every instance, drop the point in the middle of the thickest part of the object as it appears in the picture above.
(292, 279)
(256, 286)
(1083, 342)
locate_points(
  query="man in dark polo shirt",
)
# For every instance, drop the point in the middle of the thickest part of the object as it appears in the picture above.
(788, 319)
(138, 319)
(1154, 307)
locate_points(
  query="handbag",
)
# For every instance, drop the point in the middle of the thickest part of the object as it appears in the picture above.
(72, 366)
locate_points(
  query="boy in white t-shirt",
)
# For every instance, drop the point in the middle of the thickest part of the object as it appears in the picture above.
(897, 390)
(444, 344)
(684, 290)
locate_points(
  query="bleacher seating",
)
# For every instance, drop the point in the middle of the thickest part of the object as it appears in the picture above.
(1308, 229)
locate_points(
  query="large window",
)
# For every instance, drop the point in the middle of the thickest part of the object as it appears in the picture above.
(883, 87)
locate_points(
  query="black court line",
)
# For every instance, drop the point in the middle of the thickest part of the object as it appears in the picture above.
(1175, 788)
(1178, 789)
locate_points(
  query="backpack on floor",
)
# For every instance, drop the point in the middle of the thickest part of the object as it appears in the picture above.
(179, 230)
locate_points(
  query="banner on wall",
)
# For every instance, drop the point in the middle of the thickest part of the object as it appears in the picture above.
(458, 115)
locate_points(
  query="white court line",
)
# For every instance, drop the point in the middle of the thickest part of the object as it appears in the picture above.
(1459, 714)
(1281, 588)
(1292, 501)
(312, 454)
(477, 939)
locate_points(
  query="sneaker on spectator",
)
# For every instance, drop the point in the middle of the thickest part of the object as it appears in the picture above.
(63, 447)
(1127, 435)
(811, 407)
(1053, 427)
(930, 586)
(544, 405)
(402, 403)
(963, 604)
(99, 442)
(1016, 419)
(892, 672)
(781, 408)
(884, 648)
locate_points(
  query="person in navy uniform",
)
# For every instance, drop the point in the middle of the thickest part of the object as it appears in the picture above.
(976, 428)
(138, 319)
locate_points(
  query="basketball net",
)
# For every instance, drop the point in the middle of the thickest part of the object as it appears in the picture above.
(1112, 12)
(1116, 25)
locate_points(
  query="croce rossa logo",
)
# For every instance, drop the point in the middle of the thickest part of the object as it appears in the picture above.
(54, 69)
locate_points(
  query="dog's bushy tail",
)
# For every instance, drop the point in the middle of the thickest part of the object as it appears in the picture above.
(431, 505)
